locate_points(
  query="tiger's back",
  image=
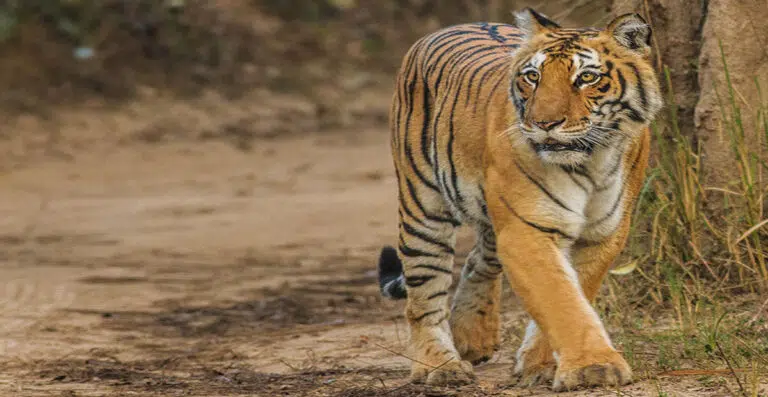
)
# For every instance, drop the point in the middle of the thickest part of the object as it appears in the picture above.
(445, 87)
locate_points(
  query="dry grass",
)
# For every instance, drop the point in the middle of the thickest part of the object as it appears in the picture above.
(697, 305)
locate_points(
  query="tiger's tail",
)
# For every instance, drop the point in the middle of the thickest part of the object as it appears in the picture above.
(391, 277)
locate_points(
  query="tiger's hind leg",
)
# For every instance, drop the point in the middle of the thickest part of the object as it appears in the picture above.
(426, 250)
(475, 314)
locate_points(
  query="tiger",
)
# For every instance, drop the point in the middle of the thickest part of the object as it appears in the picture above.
(537, 136)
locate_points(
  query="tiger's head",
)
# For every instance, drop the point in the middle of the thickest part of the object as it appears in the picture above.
(578, 90)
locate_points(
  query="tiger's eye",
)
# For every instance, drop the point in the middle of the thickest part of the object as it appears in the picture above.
(532, 76)
(588, 77)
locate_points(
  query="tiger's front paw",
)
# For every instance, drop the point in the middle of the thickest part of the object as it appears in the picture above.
(453, 373)
(604, 369)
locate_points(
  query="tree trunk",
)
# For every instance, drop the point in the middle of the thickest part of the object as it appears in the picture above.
(687, 36)
(741, 27)
(676, 42)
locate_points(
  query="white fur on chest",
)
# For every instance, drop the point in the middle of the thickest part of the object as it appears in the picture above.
(605, 208)
(571, 195)
(604, 212)
(594, 197)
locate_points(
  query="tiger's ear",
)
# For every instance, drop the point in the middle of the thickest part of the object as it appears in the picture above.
(631, 31)
(531, 22)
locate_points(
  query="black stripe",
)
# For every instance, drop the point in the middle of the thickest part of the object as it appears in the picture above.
(431, 217)
(576, 181)
(543, 229)
(486, 68)
(440, 74)
(414, 166)
(435, 43)
(469, 55)
(477, 70)
(447, 51)
(622, 84)
(407, 150)
(417, 281)
(491, 261)
(483, 207)
(542, 188)
(398, 115)
(581, 243)
(416, 233)
(494, 88)
(483, 202)
(414, 252)
(469, 70)
(453, 45)
(486, 75)
(426, 314)
(582, 171)
(424, 141)
(451, 190)
(436, 294)
(440, 41)
(640, 86)
(410, 87)
(456, 60)
(614, 169)
(611, 212)
(489, 245)
(486, 275)
(617, 164)
(633, 114)
(435, 122)
(451, 136)
(408, 211)
(432, 267)
(636, 161)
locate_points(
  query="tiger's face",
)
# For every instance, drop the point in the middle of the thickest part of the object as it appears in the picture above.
(578, 90)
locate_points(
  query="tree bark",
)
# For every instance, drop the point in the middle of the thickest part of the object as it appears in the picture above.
(740, 26)
(687, 34)
(676, 42)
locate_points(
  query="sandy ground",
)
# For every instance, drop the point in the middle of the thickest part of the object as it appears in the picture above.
(198, 268)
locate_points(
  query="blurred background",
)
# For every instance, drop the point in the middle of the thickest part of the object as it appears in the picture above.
(325, 55)
(196, 191)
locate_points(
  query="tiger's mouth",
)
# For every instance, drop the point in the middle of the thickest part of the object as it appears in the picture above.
(553, 145)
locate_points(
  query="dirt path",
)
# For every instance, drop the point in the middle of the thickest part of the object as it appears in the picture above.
(199, 269)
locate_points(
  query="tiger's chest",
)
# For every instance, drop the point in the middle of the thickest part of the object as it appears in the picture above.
(586, 202)
(595, 195)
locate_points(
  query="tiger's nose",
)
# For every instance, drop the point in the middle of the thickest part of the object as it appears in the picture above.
(549, 124)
